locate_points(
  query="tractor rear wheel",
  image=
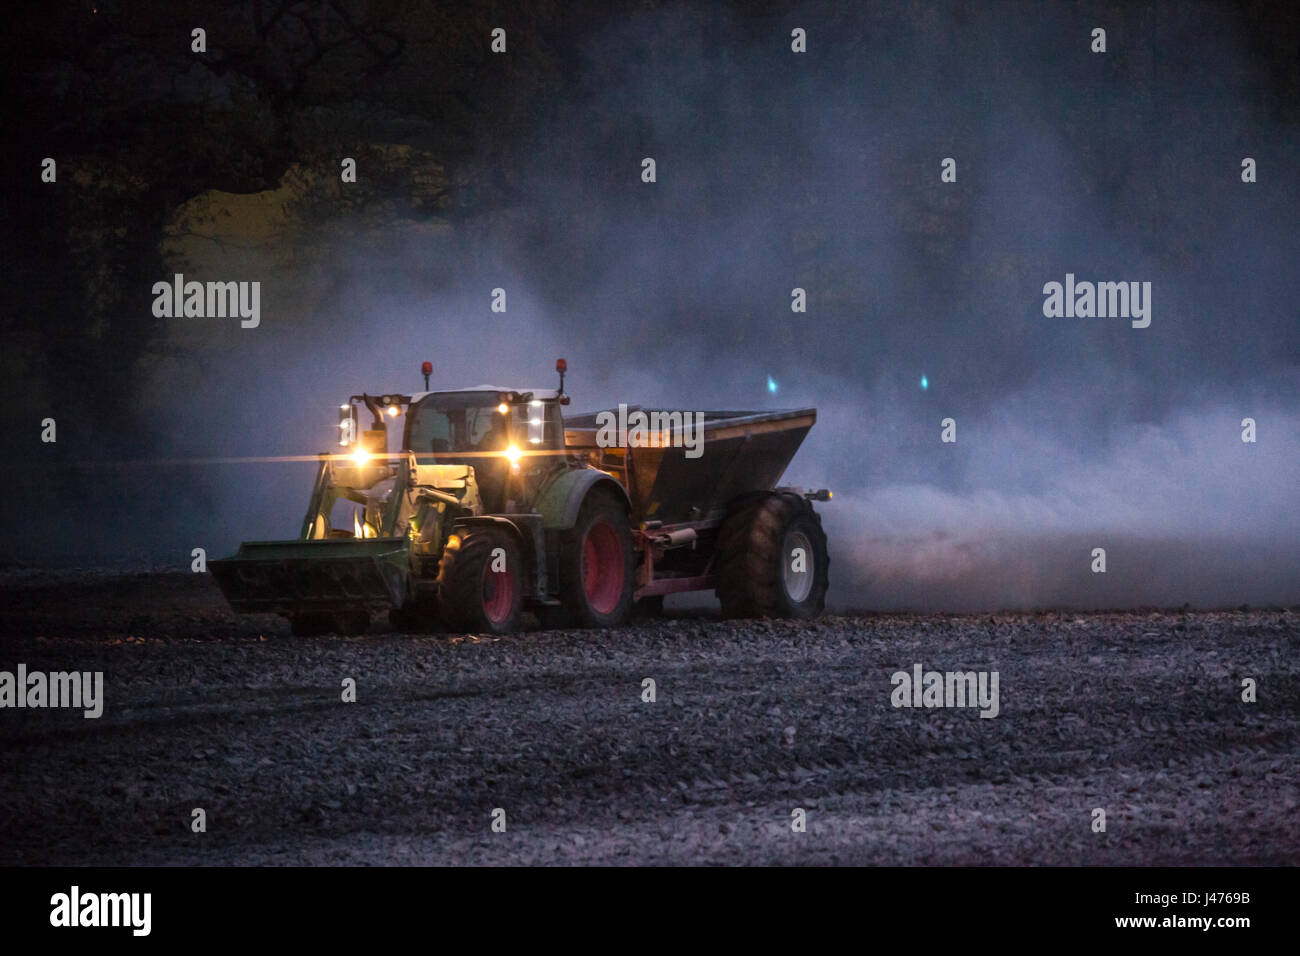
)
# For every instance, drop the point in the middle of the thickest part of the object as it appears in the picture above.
(596, 564)
(772, 559)
(480, 584)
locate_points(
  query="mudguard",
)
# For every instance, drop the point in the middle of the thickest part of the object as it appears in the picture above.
(562, 498)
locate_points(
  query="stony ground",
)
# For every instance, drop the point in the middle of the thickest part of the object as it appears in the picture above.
(1137, 713)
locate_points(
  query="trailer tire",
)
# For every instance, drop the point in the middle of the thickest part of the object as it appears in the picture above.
(475, 596)
(596, 563)
(760, 570)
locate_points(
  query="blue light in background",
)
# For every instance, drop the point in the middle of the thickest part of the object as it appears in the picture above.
(925, 383)
(771, 385)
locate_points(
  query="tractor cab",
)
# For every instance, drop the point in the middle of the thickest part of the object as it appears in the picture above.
(509, 437)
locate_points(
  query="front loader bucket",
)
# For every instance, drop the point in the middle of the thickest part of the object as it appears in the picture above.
(296, 577)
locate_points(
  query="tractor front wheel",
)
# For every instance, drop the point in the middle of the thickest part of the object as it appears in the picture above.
(480, 583)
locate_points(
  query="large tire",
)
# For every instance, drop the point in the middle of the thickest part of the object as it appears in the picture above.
(759, 573)
(596, 564)
(475, 595)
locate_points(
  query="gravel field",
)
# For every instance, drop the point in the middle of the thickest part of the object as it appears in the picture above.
(1137, 713)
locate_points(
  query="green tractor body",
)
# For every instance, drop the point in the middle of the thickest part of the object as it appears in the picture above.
(493, 504)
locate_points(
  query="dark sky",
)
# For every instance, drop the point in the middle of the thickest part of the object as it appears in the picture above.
(775, 170)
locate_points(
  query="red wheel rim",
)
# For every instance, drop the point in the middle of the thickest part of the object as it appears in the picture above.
(498, 594)
(602, 567)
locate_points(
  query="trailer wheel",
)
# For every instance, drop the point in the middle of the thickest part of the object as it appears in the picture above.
(596, 564)
(480, 589)
(772, 559)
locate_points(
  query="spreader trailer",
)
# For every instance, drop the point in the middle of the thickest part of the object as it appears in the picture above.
(496, 503)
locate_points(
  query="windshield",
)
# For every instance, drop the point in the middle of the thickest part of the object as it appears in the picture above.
(457, 423)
